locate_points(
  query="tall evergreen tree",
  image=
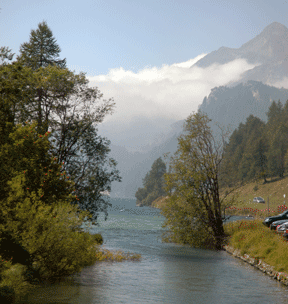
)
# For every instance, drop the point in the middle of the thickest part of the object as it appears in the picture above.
(41, 50)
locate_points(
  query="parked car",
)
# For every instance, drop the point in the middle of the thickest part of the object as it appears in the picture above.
(258, 200)
(282, 228)
(269, 220)
(274, 225)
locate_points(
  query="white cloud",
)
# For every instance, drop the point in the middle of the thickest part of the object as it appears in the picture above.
(171, 91)
(280, 84)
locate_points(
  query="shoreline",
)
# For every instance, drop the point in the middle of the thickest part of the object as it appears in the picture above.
(259, 264)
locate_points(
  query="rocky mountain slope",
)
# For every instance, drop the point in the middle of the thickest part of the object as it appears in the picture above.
(268, 50)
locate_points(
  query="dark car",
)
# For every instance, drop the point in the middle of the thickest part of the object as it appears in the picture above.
(274, 225)
(258, 200)
(269, 220)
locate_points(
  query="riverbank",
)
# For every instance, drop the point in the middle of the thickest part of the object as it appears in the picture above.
(259, 246)
(259, 264)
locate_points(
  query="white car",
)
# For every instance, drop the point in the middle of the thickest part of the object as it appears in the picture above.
(258, 200)
(282, 228)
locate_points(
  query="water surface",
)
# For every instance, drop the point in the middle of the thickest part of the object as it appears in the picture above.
(167, 273)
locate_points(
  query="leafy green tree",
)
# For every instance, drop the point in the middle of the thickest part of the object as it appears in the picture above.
(36, 205)
(42, 49)
(63, 103)
(16, 88)
(25, 154)
(194, 209)
(153, 184)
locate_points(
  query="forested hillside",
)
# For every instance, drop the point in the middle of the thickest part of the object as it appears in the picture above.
(258, 149)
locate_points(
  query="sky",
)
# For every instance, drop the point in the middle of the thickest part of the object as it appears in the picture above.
(140, 52)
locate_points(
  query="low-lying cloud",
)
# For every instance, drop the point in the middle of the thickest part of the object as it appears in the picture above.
(171, 91)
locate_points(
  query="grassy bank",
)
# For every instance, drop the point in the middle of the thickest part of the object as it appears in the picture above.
(273, 190)
(259, 242)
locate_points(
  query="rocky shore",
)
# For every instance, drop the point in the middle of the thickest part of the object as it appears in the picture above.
(259, 264)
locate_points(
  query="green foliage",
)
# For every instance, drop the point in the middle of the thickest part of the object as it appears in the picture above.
(153, 184)
(194, 209)
(257, 150)
(244, 157)
(25, 162)
(41, 50)
(256, 240)
(98, 238)
(14, 280)
(37, 87)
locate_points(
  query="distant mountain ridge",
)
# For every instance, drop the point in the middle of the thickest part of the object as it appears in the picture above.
(232, 105)
(268, 50)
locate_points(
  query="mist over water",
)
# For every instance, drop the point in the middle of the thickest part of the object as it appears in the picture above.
(167, 273)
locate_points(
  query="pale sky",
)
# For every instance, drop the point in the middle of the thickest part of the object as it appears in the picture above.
(139, 52)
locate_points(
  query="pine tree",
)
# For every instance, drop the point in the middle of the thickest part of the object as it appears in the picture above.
(41, 50)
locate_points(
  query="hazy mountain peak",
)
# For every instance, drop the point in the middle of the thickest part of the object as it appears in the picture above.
(270, 45)
(275, 28)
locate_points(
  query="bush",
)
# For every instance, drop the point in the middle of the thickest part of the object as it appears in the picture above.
(7, 295)
(13, 281)
(98, 238)
(50, 235)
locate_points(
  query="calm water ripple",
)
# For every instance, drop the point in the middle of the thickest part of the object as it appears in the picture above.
(168, 273)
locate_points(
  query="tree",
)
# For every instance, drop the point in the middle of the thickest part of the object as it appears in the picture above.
(245, 154)
(276, 132)
(194, 208)
(153, 184)
(61, 102)
(41, 50)
(24, 157)
(5, 54)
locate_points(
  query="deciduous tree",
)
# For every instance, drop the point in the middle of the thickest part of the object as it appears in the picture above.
(194, 211)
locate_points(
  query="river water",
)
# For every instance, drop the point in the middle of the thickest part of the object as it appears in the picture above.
(167, 273)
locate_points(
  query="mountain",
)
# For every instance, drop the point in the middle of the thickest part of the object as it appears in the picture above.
(268, 50)
(228, 105)
(232, 105)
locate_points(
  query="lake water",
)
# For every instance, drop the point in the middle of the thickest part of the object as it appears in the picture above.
(167, 273)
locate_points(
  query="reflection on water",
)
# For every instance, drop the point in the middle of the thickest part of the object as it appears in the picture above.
(168, 273)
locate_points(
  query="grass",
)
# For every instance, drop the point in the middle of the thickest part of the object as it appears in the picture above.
(116, 256)
(274, 190)
(259, 242)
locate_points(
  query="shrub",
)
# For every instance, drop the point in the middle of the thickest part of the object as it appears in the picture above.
(256, 188)
(98, 238)
(7, 295)
(14, 282)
